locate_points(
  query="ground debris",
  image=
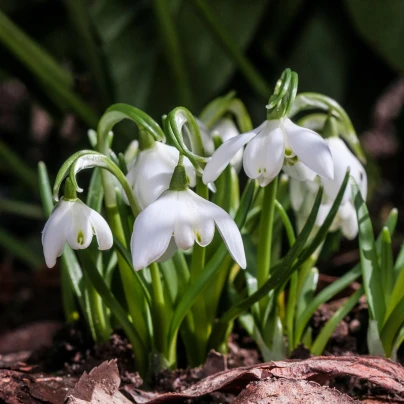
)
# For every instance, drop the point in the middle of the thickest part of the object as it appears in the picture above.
(99, 386)
(383, 373)
(286, 391)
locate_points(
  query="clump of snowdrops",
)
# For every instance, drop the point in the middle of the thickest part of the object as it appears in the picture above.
(194, 225)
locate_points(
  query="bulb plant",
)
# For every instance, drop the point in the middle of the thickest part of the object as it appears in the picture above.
(187, 243)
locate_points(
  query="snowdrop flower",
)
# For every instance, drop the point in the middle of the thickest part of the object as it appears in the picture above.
(73, 221)
(151, 174)
(344, 158)
(275, 144)
(177, 219)
(303, 194)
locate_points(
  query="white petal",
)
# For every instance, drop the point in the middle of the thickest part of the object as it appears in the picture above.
(171, 250)
(188, 214)
(153, 229)
(264, 155)
(349, 222)
(183, 234)
(228, 230)
(80, 233)
(204, 229)
(152, 172)
(343, 158)
(101, 230)
(310, 148)
(223, 155)
(299, 171)
(53, 234)
(297, 193)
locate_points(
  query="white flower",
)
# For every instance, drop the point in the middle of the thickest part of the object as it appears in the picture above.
(273, 145)
(303, 194)
(74, 222)
(226, 129)
(178, 219)
(344, 158)
(151, 174)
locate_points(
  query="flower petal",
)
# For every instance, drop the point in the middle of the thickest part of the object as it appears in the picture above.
(297, 193)
(299, 171)
(80, 233)
(171, 250)
(349, 223)
(53, 234)
(310, 148)
(153, 229)
(228, 230)
(264, 155)
(344, 158)
(223, 155)
(101, 230)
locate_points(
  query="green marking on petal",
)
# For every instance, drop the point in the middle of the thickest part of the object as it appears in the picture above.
(80, 237)
(259, 171)
(198, 237)
(288, 152)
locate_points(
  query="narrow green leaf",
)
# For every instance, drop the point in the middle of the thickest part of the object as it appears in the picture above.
(326, 294)
(20, 250)
(392, 326)
(95, 193)
(386, 265)
(88, 48)
(372, 279)
(373, 339)
(43, 67)
(17, 166)
(321, 341)
(22, 209)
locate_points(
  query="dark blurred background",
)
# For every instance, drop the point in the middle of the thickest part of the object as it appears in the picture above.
(62, 63)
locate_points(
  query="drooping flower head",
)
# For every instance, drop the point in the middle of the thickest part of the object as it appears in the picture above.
(302, 194)
(72, 221)
(178, 219)
(151, 173)
(275, 144)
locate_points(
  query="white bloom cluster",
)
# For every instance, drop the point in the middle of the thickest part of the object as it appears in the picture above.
(172, 218)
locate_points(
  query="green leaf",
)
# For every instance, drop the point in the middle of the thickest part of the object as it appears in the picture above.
(134, 52)
(380, 23)
(95, 193)
(371, 272)
(44, 68)
(374, 342)
(321, 341)
(386, 264)
(322, 43)
(326, 294)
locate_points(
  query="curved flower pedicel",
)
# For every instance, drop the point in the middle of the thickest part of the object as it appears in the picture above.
(151, 174)
(178, 219)
(72, 221)
(275, 144)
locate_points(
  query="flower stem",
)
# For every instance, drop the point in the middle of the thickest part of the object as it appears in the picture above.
(159, 315)
(223, 38)
(265, 238)
(202, 331)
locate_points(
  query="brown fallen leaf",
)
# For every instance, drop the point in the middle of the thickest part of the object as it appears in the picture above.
(284, 391)
(99, 386)
(379, 371)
